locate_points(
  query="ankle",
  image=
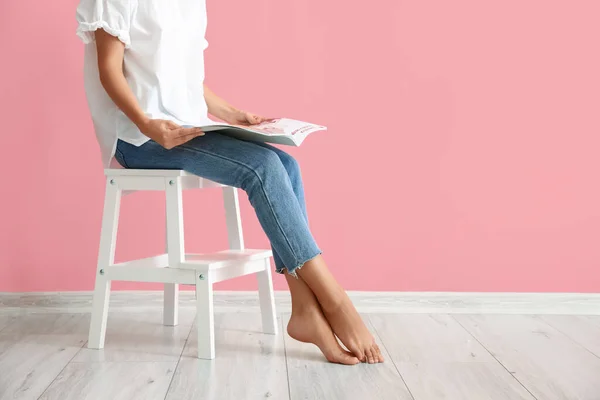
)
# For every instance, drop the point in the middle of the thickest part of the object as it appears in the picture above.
(334, 301)
(301, 310)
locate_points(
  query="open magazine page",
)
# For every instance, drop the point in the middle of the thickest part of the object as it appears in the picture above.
(281, 130)
(285, 126)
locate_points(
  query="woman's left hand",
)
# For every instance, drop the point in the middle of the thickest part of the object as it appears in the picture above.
(240, 117)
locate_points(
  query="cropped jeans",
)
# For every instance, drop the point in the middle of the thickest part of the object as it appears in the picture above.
(270, 177)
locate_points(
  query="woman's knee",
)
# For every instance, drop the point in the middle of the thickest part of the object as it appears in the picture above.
(290, 164)
(268, 168)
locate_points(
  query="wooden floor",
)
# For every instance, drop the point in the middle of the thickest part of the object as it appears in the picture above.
(428, 357)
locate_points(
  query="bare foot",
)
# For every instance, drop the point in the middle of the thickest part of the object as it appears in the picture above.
(339, 310)
(310, 326)
(352, 331)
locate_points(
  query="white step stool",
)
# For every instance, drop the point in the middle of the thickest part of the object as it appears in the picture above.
(175, 267)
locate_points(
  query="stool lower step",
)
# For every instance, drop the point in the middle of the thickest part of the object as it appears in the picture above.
(216, 266)
(223, 258)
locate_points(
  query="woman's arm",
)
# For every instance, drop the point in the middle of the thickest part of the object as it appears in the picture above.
(110, 66)
(218, 106)
(228, 113)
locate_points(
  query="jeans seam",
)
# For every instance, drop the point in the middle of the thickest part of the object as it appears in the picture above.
(122, 157)
(262, 186)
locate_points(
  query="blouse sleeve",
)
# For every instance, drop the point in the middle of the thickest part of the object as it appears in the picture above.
(113, 16)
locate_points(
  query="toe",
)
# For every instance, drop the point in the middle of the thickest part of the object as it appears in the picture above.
(342, 357)
(348, 359)
(377, 351)
(358, 353)
(370, 357)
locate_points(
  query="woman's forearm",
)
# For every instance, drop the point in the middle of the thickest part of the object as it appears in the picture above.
(119, 91)
(110, 68)
(218, 107)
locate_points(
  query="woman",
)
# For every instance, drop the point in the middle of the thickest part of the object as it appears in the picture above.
(144, 74)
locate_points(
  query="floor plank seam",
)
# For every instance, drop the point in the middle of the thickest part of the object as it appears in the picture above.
(287, 371)
(62, 370)
(569, 337)
(495, 358)
(179, 359)
(390, 356)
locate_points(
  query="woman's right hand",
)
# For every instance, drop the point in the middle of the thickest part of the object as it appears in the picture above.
(167, 133)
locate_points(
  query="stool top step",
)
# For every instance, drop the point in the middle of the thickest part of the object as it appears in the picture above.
(166, 173)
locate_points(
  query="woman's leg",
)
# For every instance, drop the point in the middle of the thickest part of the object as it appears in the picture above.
(341, 313)
(293, 170)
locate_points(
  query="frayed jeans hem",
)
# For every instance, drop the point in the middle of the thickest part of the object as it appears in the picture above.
(292, 271)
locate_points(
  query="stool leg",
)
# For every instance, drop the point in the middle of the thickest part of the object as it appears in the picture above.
(175, 237)
(267, 299)
(171, 304)
(233, 218)
(106, 257)
(175, 246)
(205, 316)
(170, 297)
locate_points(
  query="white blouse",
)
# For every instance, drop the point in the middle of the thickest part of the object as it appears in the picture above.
(163, 64)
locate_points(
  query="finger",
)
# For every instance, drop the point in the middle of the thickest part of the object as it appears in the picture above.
(187, 131)
(253, 119)
(190, 136)
(179, 140)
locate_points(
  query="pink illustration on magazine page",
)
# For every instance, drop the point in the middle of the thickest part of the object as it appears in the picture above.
(273, 127)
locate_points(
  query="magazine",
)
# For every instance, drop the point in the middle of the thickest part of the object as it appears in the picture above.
(280, 130)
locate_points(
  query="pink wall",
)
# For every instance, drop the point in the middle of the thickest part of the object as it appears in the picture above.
(462, 153)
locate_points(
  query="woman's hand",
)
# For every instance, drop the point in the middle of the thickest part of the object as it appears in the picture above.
(167, 133)
(239, 117)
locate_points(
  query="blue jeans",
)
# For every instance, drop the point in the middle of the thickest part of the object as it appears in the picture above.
(269, 176)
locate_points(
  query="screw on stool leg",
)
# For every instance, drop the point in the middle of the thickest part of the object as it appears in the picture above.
(112, 181)
(101, 272)
(201, 276)
(171, 182)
